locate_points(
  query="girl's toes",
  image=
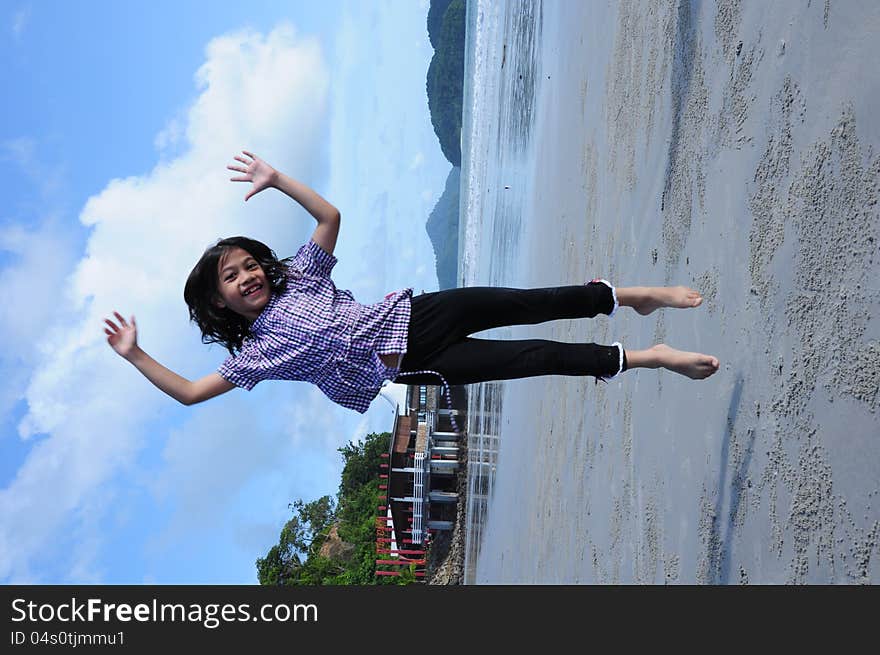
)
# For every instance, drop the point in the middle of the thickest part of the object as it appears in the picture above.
(711, 364)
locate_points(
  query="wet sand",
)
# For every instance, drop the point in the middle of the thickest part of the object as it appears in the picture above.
(730, 147)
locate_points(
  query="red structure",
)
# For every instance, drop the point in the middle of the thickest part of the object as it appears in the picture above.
(418, 474)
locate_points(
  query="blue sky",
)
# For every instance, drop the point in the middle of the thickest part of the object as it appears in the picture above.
(119, 122)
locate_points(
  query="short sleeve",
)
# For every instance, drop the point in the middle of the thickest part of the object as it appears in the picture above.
(356, 398)
(241, 370)
(312, 259)
(359, 402)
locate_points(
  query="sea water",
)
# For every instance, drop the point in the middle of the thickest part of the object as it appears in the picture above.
(571, 116)
(501, 83)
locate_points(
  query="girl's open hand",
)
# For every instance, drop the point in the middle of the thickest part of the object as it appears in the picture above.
(123, 338)
(256, 171)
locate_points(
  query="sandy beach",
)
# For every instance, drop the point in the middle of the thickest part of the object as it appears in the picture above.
(730, 147)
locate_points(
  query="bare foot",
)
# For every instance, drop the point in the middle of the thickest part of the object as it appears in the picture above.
(646, 299)
(694, 365)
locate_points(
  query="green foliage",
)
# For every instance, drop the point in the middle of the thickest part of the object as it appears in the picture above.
(442, 228)
(362, 461)
(407, 575)
(316, 516)
(278, 566)
(435, 20)
(296, 559)
(445, 83)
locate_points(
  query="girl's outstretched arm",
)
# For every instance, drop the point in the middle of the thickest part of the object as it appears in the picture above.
(263, 176)
(123, 339)
(327, 215)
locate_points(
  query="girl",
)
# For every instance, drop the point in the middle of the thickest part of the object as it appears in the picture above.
(287, 320)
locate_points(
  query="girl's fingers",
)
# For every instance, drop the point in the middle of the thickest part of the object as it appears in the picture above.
(239, 179)
(251, 155)
(111, 324)
(120, 319)
(108, 332)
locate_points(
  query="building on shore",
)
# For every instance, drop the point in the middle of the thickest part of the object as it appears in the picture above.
(418, 477)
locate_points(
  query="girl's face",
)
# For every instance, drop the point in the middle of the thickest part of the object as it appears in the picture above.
(242, 284)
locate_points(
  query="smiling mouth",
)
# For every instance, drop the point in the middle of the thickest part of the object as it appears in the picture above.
(251, 291)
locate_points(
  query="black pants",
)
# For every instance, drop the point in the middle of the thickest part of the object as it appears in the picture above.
(441, 322)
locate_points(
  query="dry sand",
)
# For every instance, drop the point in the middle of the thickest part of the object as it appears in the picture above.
(731, 147)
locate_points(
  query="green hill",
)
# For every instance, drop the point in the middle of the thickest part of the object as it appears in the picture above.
(445, 88)
(445, 81)
(435, 20)
(442, 227)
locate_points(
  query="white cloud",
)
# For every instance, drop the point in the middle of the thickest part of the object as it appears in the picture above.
(90, 409)
(170, 136)
(361, 429)
(19, 22)
(391, 123)
(232, 467)
(38, 261)
(22, 152)
(209, 459)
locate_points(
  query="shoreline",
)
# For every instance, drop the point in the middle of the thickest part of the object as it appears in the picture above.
(446, 552)
(445, 561)
(730, 149)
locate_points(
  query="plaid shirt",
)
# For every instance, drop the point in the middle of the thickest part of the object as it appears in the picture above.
(314, 332)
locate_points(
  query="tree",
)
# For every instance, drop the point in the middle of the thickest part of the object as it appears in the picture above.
(296, 559)
(289, 561)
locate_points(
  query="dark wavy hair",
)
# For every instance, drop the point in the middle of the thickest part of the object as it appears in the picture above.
(221, 324)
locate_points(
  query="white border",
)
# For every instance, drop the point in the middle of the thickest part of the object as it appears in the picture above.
(620, 364)
(613, 295)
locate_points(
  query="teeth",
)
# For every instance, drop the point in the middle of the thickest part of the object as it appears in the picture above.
(252, 289)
